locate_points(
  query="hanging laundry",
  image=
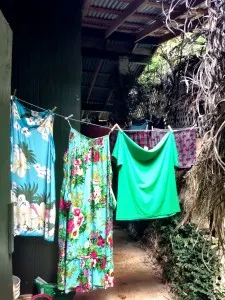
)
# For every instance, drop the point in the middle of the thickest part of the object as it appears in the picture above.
(86, 216)
(185, 143)
(138, 125)
(146, 184)
(32, 172)
(94, 131)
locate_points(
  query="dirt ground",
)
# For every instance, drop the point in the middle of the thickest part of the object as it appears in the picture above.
(135, 276)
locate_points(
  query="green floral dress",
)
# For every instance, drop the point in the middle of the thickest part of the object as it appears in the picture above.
(85, 216)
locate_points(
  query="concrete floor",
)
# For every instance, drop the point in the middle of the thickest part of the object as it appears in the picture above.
(136, 277)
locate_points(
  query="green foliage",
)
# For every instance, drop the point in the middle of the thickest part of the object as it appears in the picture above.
(29, 154)
(189, 260)
(27, 190)
(169, 55)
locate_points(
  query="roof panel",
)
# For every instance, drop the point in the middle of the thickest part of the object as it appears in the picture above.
(103, 80)
(89, 63)
(107, 66)
(147, 9)
(100, 15)
(137, 20)
(86, 78)
(99, 93)
(110, 4)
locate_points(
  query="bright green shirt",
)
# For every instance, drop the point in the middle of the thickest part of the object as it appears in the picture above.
(146, 182)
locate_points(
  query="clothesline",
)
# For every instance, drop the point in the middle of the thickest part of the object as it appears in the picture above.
(101, 126)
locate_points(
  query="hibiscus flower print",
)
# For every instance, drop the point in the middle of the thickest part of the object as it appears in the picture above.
(101, 242)
(25, 131)
(20, 164)
(15, 111)
(45, 136)
(30, 121)
(70, 227)
(77, 211)
(75, 233)
(41, 171)
(96, 156)
(16, 125)
(34, 113)
(100, 141)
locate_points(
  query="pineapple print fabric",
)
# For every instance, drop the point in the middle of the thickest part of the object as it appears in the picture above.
(32, 172)
(86, 216)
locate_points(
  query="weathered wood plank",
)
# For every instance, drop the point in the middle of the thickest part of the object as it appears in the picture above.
(5, 91)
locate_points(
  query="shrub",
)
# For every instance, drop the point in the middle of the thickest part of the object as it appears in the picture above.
(188, 259)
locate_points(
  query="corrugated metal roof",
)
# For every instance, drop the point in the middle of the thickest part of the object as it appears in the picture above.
(86, 78)
(145, 46)
(137, 20)
(103, 94)
(89, 63)
(146, 9)
(100, 15)
(110, 4)
(107, 66)
(103, 80)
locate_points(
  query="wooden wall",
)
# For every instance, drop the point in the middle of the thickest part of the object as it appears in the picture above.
(47, 72)
(5, 83)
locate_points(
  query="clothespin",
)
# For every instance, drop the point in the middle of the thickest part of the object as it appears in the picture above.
(14, 94)
(67, 119)
(146, 128)
(114, 127)
(54, 108)
(151, 128)
(169, 127)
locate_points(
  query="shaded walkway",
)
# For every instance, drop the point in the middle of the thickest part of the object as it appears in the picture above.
(136, 278)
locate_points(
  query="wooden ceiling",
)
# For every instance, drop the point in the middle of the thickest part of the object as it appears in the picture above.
(118, 28)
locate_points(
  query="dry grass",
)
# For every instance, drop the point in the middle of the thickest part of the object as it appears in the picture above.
(206, 180)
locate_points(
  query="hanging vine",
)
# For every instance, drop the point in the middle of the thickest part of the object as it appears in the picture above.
(206, 180)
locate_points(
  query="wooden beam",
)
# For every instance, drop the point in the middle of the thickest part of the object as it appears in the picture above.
(114, 56)
(94, 26)
(95, 87)
(177, 32)
(87, 4)
(158, 4)
(103, 22)
(109, 97)
(159, 23)
(95, 76)
(96, 107)
(129, 11)
(120, 12)
(127, 28)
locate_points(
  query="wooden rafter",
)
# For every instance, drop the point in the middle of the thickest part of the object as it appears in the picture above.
(159, 23)
(120, 12)
(171, 35)
(87, 4)
(129, 11)
(158, 4)
(113, 55)
(95, 76)
(101, 22)
(96, 107)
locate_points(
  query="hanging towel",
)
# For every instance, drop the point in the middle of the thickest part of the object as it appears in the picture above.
(94, 131)
(146, 181)
(86, 216)
(138, 125)
(185, 143)
(32, 172)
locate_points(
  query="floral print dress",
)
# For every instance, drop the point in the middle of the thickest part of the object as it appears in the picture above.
(85, 216)
(32, 172)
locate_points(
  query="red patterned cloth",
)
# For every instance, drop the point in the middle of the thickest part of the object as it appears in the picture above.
(185, 142)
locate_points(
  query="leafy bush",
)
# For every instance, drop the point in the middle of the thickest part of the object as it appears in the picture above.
(188, 258)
